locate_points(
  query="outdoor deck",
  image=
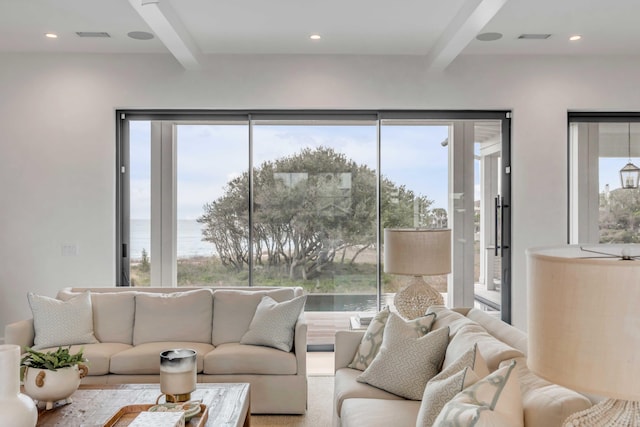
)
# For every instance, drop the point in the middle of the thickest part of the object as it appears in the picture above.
(322, 325)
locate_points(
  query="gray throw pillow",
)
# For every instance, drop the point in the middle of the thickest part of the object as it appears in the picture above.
(61, 323)
(406, 361)
(274, 322)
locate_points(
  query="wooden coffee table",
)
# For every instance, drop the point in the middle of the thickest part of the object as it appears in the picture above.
(94, 405)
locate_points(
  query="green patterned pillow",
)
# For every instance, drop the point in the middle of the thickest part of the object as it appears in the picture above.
(494, 401)
(372, 339)
(462, 373)
(406, 361)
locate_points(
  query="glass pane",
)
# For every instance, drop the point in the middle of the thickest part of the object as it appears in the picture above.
(414, 191)
(212, 205)
(487, 178)
(619, 221)
(315, 218)
(140, 202)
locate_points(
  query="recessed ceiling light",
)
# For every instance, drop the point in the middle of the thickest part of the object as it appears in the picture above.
(51, 35)
(488, 37)
(575, 37)
(315, 37)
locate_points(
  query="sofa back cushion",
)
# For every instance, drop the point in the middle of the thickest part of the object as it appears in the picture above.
(233, 311)
(545, 404)
(177, 316)
(112, 314)
(492, 349)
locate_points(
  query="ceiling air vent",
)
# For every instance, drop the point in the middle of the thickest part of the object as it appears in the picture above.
(534, 36)
(92, 34)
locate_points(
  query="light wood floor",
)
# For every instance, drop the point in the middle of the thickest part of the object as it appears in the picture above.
(320, 363)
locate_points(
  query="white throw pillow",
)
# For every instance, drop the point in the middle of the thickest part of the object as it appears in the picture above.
(494, 401)
(274, 322)
(234, 309)
(406, 361)
(61, 323)
(465, 371)
(372, 338)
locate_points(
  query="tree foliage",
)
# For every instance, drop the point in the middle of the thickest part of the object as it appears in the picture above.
(620, 216)
(310, 210)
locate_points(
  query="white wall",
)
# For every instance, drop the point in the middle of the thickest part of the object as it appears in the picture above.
(57, 138)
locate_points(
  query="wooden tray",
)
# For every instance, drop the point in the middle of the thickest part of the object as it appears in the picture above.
(127, 414)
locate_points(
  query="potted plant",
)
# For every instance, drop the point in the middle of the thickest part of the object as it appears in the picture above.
(52, 376)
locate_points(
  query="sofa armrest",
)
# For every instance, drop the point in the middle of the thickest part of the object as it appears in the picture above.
(346, 345)
(300, 345)
(20, 333)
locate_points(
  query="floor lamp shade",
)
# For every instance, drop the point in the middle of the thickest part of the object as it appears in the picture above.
(417, 252)
(584, 321)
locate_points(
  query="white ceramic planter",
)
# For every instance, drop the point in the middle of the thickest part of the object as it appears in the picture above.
(49, 387)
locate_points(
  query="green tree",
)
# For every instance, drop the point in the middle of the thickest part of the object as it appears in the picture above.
(310, 210)
(144, 264)
(620, 216)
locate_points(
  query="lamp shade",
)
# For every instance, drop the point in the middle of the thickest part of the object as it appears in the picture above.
(584, 320)
(417, 251)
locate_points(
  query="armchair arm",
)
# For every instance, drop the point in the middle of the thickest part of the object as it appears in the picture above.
(300, 345)
(346, 345)
(20, 333)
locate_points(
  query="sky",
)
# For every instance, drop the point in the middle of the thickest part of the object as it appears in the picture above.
(208, 156)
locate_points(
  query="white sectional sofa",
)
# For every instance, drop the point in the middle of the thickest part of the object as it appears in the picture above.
(133, 325)
(359, 404)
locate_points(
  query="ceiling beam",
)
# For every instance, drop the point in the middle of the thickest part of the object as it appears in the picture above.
(168, 27)
(464, 27)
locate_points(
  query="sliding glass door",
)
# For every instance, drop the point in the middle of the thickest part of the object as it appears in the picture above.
(302, 199)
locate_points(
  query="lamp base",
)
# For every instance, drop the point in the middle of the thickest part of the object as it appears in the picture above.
(610, 413)
(412, 301)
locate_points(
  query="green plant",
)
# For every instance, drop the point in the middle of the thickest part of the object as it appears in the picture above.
(51, 360)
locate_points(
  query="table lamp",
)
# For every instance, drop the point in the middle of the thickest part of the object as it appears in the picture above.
(584, 327)
(417, 252)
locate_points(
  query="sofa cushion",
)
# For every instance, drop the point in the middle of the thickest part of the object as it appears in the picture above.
(545, 404)
(176, 316)
(233, 311)
(465, 371)
(379, 412)
(372, 339)
(406, 361)
(273, 323)
(61, 323)
(493, 401)
(98, 355)
(145, 358)
(492, 349)
(499, 329)
(450, 318)
(235, 358)
(112, 314)
(347, 388)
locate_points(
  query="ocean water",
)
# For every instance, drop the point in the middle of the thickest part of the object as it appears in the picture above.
(190, 243)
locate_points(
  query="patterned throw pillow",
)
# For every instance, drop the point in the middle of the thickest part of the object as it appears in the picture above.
(372, 338)
(274, 322)
(406, 361)
(494, 401)
(465, 371)
(61, 323)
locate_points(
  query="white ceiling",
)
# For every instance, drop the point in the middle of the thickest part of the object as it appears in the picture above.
(438, 29)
